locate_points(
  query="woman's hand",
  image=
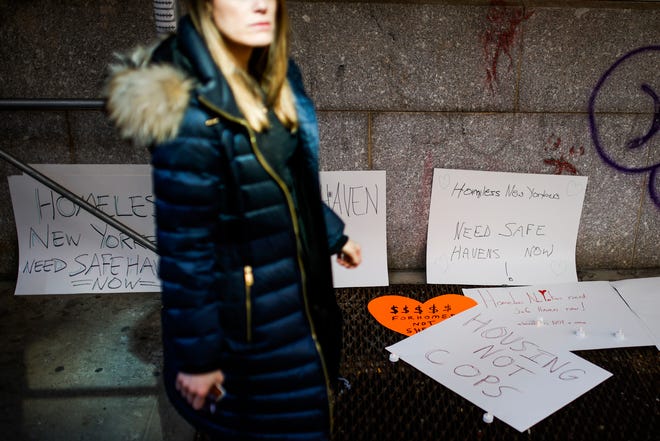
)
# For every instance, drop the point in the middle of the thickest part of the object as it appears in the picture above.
(350, 255)
(195, 387)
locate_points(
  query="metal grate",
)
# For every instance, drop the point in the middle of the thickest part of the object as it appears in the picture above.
(394, 401)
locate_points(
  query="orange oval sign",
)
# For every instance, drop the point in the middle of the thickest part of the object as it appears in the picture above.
(409, 316)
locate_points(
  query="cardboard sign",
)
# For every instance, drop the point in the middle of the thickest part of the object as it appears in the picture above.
(358, 197)
(499, 368)
(493, 228)
(409, 316)
(570, 316)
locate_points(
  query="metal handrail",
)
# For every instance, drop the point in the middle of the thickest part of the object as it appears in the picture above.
(51, 104)
(138, 238)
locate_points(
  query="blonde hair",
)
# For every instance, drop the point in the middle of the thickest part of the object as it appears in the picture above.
(266, 81)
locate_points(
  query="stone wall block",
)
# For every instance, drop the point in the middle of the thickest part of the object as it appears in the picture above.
(357, 56)
(98, 141)
(61, 49)
(568, 50)
(408, 146)
(344, 143)
(647, 244)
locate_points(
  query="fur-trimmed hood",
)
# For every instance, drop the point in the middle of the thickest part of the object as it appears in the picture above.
(146, 101)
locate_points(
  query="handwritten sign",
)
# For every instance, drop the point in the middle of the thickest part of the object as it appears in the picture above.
(571, 316)
(358, 197)
(409, 316)
(643, 297)
(503, 228)
(65, 250)
(499, 368)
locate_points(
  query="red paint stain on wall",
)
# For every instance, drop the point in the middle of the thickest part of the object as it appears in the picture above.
(562, 165)
(499, 37)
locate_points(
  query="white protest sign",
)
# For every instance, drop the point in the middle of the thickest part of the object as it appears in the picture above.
(500, 228)
(643, 297)
(358, 197)
(570, 316)
(65, 250)
(499, 368)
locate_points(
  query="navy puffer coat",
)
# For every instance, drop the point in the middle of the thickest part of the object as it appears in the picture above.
(238, 292)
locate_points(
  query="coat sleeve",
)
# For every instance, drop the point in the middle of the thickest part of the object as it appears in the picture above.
(187, 187)
(335, 228)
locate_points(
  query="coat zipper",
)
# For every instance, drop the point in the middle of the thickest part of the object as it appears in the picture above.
(249, 281)
(296, 230)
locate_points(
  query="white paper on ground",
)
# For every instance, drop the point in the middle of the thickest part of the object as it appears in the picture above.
(499, 367)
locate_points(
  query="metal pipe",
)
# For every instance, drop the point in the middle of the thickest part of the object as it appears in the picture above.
(80, 201)
(166, 13)
(51, 104)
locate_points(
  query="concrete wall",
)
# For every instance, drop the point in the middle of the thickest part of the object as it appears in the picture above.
(402, 87)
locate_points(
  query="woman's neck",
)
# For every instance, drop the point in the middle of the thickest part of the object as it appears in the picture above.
(239, 53)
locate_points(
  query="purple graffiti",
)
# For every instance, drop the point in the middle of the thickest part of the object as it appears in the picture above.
(655, 126)
(635, 143)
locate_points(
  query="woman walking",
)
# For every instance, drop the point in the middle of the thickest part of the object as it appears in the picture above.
(249, 314)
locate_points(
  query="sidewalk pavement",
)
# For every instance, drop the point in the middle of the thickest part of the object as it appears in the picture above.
(88, 367)
(83, 367)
